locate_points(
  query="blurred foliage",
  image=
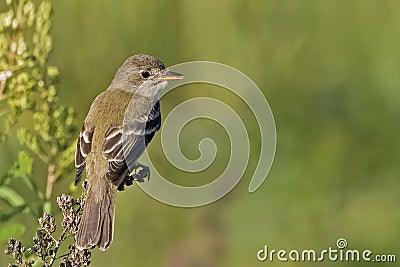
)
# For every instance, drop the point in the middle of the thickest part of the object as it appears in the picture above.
(329, 70)
(28, 94)
(45, 245)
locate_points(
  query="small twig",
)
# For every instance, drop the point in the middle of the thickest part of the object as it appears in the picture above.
(59, 241)
(15, 67)
(2, 87)
(40, 155)
(50, 180)
(61, 256)
(6, 74)
(4, 112)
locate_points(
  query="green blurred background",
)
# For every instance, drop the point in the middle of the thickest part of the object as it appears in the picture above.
(330, 72)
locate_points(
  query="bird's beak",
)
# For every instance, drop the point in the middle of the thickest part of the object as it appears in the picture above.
(168, 75)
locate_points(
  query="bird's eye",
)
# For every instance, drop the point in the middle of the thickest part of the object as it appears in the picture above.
(145, 74)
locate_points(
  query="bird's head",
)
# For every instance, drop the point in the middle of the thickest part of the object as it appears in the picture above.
(144, 75)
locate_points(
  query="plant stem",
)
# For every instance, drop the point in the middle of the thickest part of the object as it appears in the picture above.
(2, 87)
(51, 178)
(58, 243)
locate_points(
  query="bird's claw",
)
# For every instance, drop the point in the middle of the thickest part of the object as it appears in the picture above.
(140, 173)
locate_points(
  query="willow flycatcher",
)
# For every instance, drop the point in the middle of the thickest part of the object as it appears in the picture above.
(121, 122)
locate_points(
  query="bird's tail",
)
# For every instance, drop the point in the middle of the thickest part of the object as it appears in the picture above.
(97, 222)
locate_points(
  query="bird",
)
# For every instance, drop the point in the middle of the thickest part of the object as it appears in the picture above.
(120, 123)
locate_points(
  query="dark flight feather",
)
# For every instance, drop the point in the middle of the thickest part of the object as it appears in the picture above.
(83, 148)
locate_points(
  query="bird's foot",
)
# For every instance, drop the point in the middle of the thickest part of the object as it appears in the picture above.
(140, 173)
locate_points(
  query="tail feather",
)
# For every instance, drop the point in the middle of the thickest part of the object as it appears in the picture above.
(106, 231)
(97, 223)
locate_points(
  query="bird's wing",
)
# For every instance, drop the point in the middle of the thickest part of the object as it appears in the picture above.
(153, 123)
(123, 145)
(83, 148)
